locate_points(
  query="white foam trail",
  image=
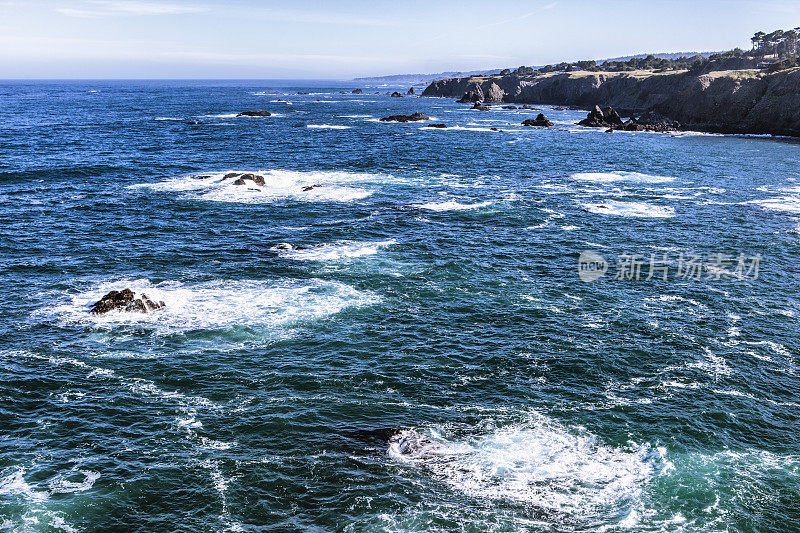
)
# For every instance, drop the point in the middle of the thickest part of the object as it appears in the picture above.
(630, 209)
(540, 463)
(333, 252)
(613, 177)
(216, 305)
(327, 127)
(279, 185)
(167, 118)
(789, 204)
(451, 205)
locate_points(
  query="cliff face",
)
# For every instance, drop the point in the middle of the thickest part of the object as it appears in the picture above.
(720, 101)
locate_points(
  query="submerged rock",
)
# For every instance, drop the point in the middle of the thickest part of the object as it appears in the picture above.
(254, 114)
(125, 300)
(480, 107)
(415, 117)
(510, 107)
(437, 126)
(540, 121)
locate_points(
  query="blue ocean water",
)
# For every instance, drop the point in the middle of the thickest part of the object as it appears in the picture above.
(393, 333)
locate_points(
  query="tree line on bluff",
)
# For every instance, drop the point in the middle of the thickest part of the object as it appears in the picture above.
(773, 51)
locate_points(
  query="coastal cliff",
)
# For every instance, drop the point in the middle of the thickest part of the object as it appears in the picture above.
(728, 101)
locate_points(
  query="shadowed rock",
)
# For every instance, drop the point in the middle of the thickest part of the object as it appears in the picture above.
(406, 118)
(396, 95)
(540, 121)
(357, 91)
(411, 91)
(254, 114)
(602, 118)
(441, 126)
(470, 97)
(125, 300)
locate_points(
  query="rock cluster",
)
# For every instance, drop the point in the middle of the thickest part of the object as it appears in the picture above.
(540, 121)
(242, 179)
(470, 97)
(602, 118)
(609, 118)
(406, 118)
(396, 95)
(480, 107)
(125, 300)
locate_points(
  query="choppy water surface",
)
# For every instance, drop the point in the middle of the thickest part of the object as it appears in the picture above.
(391, 334)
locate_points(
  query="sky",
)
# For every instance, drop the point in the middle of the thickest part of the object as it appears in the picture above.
(267, 39)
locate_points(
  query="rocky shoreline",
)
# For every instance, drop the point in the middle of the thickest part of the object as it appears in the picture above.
(733, 101)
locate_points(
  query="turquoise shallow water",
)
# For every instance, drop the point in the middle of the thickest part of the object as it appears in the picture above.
(423, 355)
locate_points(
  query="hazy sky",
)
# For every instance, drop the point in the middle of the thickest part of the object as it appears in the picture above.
(347, 38)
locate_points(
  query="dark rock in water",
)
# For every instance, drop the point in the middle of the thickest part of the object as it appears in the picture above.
(480, 107)
(254, 114)
(437, 126)
(411, 91)
(203, 177)
(357, 91)
(540, 121)
(125, 300)
(309, 187)
(527, 106)
(652, 121)
(510, 107)
(602, 118)
(495, 129)
(406, 118)
(396, 95)
(254, 178)
(559, 108)
(301, 92)
(470, 97)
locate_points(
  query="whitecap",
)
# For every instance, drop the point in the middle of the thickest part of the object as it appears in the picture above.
(629, 209)
(451, 205)
(789, 204)
(332, 252)
(613, 177)
(278, 185)
(327, 127)
(561, 471)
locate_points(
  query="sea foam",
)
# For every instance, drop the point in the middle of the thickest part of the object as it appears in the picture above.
(613, 177)
(334, 251)
(560, 471)
(629, 209)
(217, 305)
(313, 186)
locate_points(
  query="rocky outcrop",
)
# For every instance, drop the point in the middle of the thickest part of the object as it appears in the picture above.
(540, 121)
(357, 91)
(415, 117)
(494, 94)
(602, 118)
(469, 97)
(719, 101)
(411, 91)
(254, 114)
(479, 107)
(441, 126)
(125, 301)
(396, 95)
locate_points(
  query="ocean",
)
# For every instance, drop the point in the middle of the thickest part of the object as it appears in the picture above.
(404, 328)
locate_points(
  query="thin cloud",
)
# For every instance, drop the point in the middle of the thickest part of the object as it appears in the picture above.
(106, 8)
